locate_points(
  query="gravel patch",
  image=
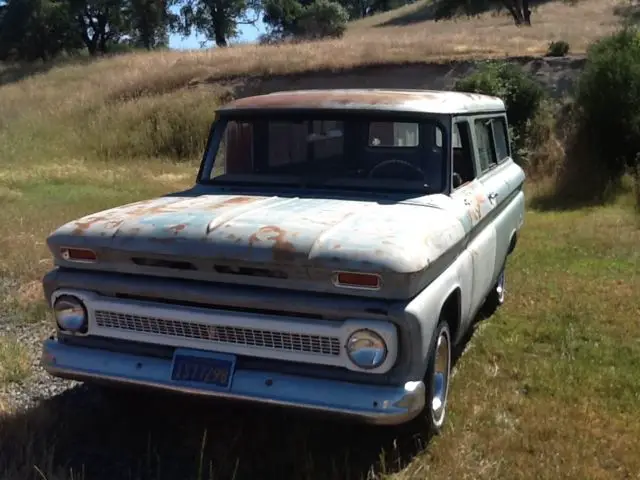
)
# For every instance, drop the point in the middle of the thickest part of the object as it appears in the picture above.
(39, 385)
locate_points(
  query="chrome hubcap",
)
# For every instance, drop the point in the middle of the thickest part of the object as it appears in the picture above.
(500, 287)
(441, 378)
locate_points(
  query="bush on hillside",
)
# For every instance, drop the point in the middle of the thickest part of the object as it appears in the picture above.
(290, 20)
(523, 97)
(608, 103)
(558, 49)
(322, 19)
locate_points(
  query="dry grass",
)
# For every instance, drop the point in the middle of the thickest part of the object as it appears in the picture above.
(548, 388)
(15, 364)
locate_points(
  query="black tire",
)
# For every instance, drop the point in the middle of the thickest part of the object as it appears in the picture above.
(437, 378)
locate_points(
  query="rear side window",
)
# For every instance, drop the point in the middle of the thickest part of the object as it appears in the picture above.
(500, 138)
(492, 141)
(486, 154)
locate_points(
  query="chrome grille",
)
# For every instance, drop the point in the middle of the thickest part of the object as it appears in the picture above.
(250, 337)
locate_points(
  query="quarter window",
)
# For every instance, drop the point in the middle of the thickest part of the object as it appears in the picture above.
(492, 140)
(486, 153)
(500, 138)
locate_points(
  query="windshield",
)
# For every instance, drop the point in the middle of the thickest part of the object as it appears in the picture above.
(350, 152)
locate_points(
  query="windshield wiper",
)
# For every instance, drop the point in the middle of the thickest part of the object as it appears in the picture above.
(310, 181)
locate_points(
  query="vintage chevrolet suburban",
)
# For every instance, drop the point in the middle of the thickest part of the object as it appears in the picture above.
(335, 246)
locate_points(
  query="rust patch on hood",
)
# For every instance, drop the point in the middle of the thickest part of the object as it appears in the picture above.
(282, 249)
(176, 229)
(85, 224)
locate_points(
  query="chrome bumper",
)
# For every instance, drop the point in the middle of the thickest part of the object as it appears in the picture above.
(379, 405)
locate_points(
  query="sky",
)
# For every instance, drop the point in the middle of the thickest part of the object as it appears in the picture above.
(247, 34)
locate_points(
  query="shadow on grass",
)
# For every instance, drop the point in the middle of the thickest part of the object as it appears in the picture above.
(556, 202)
(425, 12)
(573, 193)
(445, 9)
(81, 434)
(15, 73)
(12, 73)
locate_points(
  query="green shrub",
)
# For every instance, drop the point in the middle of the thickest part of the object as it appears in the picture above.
(523, 97)
(558, 49)
(608, 101)
(321, 19)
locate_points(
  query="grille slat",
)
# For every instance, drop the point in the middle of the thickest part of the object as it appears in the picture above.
(249, 337)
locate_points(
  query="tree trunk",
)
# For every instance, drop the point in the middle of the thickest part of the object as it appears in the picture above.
(220, 39)
(103, 43)
(91, 42)
(146, 34)
(513, 10)
(526, 12)
(218, 15)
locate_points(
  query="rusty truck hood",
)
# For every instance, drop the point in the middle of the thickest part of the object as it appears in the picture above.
(399, 237)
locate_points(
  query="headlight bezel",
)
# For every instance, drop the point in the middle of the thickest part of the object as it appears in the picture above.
(70, 314)
(367, 334)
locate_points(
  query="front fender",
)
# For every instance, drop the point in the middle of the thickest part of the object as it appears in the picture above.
(423, 311)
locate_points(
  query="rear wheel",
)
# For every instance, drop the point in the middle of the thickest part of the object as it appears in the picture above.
(496, 296)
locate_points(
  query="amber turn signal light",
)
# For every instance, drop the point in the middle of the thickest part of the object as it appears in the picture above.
(78, 254)
(357, 280)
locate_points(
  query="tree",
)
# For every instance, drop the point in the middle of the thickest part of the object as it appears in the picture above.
(149, 22)
(31, 29)
(36, 29)
(322, 19)
(281, 16)
(100, 22)
(217, 20)
(313, 20)
(519, 10)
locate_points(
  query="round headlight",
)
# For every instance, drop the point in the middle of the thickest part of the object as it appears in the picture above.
(70, 314)
(366, 349)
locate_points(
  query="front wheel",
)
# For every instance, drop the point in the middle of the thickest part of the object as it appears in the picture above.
(437, 377)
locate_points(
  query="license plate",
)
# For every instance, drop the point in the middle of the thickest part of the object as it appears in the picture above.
(203, 369)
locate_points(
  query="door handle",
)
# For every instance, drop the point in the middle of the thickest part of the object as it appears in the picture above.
(493, 195)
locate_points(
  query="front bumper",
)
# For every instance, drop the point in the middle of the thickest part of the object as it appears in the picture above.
(375, 404)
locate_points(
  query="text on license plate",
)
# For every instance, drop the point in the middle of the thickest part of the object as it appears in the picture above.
(205, 368)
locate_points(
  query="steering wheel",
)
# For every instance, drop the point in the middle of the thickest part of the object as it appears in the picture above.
(414, 173)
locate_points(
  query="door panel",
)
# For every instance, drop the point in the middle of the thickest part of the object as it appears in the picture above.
(497, 192)
(481, 238)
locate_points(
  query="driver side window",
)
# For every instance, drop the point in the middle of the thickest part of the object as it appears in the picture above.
(463, 169)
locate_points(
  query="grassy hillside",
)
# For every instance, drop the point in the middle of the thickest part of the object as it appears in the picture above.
(547, 389)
